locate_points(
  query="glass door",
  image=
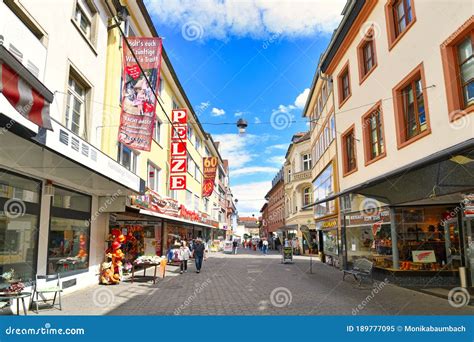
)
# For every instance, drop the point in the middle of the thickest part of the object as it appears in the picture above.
(453, 244)
(469, 229)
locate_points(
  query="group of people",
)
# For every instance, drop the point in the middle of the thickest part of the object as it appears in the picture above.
(262, 245)
(196, 249)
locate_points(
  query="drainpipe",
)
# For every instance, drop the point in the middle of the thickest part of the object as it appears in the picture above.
(393, 233)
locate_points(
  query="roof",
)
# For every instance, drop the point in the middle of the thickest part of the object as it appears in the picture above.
(297, 138)
(247, 219)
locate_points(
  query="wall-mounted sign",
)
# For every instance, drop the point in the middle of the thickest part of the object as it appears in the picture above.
(360, 219)
(178, 164)
(209, 170)
(469, 205)
(138, 116)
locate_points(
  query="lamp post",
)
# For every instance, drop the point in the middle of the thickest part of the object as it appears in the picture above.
(242, 125)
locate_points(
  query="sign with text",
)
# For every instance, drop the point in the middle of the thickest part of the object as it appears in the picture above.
(137, 119)
(210, 170)
(178, 158)
(424, 256)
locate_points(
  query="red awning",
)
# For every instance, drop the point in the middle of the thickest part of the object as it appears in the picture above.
(26, 100)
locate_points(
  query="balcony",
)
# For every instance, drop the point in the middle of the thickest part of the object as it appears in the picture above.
(302, 175)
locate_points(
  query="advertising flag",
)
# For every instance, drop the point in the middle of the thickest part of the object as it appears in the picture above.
(137, 119)
(178, 152)
(209, 170)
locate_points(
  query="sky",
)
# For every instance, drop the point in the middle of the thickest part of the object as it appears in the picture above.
(251, 59)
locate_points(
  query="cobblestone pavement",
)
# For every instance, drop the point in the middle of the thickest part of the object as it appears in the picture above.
(252, 284)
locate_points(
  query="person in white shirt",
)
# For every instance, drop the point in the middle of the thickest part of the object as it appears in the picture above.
(184, 254)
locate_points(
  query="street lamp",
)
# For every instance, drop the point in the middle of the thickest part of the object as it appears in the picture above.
(242, 125)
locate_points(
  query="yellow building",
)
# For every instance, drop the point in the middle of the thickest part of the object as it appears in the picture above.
(153, 166)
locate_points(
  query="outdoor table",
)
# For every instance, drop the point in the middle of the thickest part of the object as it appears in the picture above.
(12, 296)
(145, 265)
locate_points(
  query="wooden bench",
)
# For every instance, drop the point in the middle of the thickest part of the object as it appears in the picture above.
(362, 269)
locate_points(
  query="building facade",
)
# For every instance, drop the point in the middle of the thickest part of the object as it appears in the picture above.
(276, 205)
(299, 191)
(405, 138)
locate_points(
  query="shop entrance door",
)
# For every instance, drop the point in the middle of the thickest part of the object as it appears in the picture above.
(469, 249)
(453, 244)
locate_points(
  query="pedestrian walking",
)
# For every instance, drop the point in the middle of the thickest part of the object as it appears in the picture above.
(265, 247)
(184, 254)
(234, 246)
(199, 249)
(260, 244)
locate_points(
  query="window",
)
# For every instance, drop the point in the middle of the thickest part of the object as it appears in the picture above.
(289, 176)
(75, 107)
(19, 222)
(323, 186)
(69, 231)
(190, 133)
(349, 151)
(306, 196)
(206, 151)
(157, 131)
(458, 66)
(175, 105)
(153, 180)
(366, 55)
(307, 162)
(189, 199)
(161, 87)
(411, 109)
(191, 166)
(206, 204)
(83, 21)
(344, 85)
(198, 143)
(197, 173)
(400, 16)
(332, 124)
(173, 194)
(372, 125)
(196, 203)
(127, 157)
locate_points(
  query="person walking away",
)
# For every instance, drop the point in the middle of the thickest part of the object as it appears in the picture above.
(265, 247)
(184, 254)
(199, 254)
(260, 245)
(234, 246)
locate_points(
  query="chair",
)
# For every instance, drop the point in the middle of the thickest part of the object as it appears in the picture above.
(45, 288)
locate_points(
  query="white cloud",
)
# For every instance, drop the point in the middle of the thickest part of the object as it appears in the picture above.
(238, 114)
(252, 170)
(279, 160)
(235, 148)
(217, 112)
(254, 18)
(301, 99)
(251, 197)
(257, 120)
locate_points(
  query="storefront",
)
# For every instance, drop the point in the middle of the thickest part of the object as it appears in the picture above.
(329, 241)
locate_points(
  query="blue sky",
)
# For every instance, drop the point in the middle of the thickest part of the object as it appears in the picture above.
(253, 59)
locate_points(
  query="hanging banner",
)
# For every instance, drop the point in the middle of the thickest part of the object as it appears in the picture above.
(209, 170)
(137, 119)
(178, 158)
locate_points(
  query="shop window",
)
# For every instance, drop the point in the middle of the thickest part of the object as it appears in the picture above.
(323, 186)
(400, 16)
(366, 55)
(69, 231)
(153, 180)
(157, 131)
(458, 66)
(330, 243)
(127, 157)
(19, 222)
(349, 158)
(374, 143)
(344, 84)
(307, 162)
(411, 108)
(306, 196)
(76, 106)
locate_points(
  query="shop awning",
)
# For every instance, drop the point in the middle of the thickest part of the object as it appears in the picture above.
(26, 94)
(442, 173)
(173, 218)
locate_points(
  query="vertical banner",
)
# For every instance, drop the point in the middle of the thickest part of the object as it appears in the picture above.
(210, 169)
(178, 158)
(137, 119)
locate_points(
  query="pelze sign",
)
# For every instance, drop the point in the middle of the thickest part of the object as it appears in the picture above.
(178, 160)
